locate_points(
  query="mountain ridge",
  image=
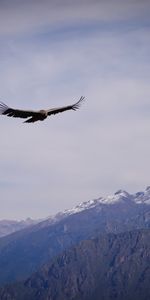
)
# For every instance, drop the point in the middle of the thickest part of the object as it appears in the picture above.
(23, 252)
(10, 226)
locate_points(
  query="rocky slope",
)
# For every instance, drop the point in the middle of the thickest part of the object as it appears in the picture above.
(109, 267)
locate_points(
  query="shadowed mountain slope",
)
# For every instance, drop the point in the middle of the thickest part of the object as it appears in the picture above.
(109, 267)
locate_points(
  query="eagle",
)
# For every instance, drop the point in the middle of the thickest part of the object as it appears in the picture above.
(36, 115)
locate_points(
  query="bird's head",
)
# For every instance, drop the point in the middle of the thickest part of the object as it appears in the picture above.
(43, 112)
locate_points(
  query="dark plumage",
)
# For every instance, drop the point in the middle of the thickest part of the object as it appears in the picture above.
(39, 115)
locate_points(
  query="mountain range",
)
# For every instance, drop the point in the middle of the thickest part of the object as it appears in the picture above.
(10, 226)
(112, 230)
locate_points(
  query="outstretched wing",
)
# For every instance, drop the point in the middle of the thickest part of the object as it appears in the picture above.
(16, 113)
(57, 110)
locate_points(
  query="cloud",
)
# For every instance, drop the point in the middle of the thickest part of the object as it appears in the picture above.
(29, 16)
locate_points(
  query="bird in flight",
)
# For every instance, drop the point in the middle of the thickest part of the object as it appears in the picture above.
(36, 115)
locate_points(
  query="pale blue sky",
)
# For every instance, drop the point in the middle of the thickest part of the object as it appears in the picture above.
(51, 53)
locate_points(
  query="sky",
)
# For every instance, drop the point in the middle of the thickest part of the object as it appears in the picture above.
(51, 53)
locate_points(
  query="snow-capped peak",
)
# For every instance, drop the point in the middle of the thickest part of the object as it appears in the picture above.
(120, 196)
(142, 197)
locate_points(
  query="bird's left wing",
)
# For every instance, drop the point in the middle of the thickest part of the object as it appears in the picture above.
(16, 113)
(57, 110)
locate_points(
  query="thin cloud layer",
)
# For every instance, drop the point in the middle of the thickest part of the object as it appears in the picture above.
(29, 16)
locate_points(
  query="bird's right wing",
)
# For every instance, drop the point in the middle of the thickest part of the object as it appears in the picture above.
(57, 110)
(16, 113)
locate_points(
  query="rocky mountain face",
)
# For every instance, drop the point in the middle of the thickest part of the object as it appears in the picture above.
(23, 252)
(108, 267)
(9, 226)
